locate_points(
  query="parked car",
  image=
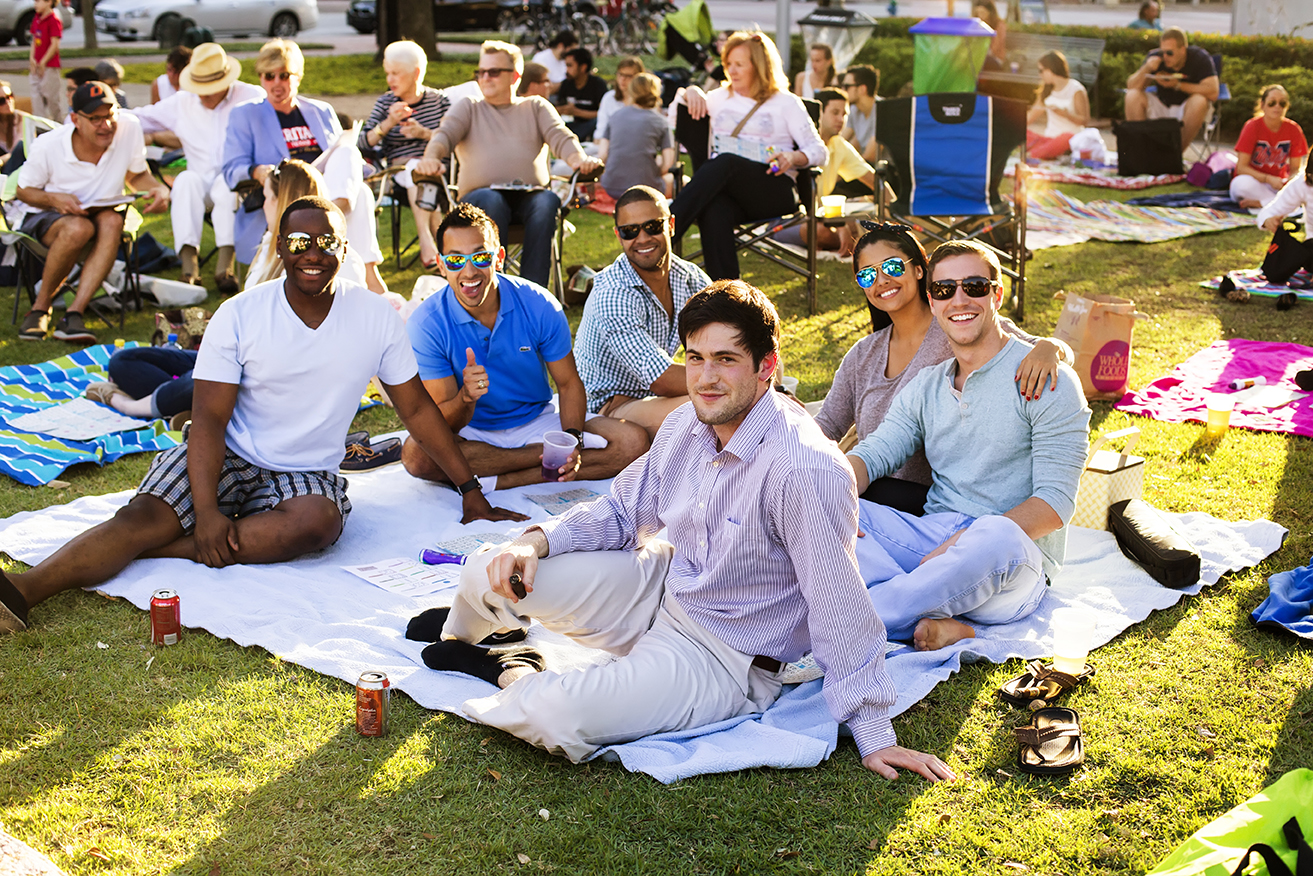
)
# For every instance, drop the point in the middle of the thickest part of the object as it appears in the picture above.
(16, 20)
(449, 16)
(141, 19)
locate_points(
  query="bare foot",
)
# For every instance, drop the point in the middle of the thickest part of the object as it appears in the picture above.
(933, 633)
(1250, 203)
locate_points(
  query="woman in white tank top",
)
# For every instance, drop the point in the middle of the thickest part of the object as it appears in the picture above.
(820, 72)
(1062, 103)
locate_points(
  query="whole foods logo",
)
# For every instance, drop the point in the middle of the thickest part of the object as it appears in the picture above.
(1111, 367)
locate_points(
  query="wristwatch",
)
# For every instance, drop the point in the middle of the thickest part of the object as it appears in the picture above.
(577, 433)
(469, 486)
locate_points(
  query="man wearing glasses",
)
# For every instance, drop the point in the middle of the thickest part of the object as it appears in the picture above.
(486, 344)
(501, 144)
(1186, 85)
(861, 82)
(1004, 470)
(70, 194)
(278, 381)
(629, 332)
(285, 125)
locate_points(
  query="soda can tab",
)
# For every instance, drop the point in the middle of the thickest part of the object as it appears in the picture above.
(373, 703)
(165, 618)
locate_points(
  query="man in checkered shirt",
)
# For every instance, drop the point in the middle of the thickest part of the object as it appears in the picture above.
(629, 332)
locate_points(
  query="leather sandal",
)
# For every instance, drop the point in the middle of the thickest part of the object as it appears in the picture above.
(1041, 682)
(1051, 744)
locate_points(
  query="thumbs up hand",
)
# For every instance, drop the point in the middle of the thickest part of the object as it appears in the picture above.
(475, 378)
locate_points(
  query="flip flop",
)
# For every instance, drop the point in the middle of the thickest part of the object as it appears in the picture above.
(1051, 744)
(1041, 681)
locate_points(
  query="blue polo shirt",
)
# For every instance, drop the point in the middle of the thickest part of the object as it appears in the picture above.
(531, 330)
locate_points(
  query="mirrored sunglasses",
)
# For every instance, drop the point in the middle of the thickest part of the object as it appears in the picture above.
(974, 287)
(892, 268)
(456, 261)
(654, 228)
(270, 77)
(298, 242)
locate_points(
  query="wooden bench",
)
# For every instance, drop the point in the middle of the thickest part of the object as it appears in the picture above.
(1021, 77)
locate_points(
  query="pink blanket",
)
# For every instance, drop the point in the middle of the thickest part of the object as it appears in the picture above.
(1183, 395)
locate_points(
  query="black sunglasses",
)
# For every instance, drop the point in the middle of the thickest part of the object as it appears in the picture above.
(974, 287)
(270, 77)
(654, 228)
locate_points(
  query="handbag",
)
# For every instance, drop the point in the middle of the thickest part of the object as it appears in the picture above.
(1285, 254)
(1146, 537)
(1108, 477)
(1152, 147)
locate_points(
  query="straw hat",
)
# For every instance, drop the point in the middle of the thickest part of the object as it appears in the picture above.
(210, 70)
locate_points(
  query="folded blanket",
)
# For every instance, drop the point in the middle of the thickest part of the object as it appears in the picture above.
(1198, 198)
(313, 613)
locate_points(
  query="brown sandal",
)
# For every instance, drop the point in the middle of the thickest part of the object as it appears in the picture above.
(1041, 682)
(1051, 744)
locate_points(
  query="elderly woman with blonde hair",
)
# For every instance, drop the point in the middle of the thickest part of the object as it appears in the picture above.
(263, 133)
(400, 125)
(761, 135)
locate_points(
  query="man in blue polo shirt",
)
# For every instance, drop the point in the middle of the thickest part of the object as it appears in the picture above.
(486, 344)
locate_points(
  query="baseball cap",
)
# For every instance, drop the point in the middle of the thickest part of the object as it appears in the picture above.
(91, 96)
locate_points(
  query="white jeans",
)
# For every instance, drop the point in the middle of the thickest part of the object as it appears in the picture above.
(992, 573)
(1244, 186)
(672, 674)
(343, 173)
(193, 194)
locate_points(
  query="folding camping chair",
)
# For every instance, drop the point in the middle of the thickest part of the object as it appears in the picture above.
(758, 235)
(949, 156)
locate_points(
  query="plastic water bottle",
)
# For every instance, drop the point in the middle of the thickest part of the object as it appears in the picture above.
(172, 342)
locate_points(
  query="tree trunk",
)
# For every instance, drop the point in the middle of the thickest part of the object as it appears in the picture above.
(408, 20)
(89, 23)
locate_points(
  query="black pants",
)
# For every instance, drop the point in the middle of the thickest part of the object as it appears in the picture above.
(725, 192)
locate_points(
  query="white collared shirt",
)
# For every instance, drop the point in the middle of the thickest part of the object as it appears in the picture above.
(52, 166)
(201, 130)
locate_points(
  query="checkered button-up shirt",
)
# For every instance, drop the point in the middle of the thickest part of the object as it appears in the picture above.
(626, 339)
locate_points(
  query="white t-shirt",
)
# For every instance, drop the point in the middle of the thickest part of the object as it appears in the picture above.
(165, 87)
(1062, 98)
(52, 167)
(610, 103)
(555, 66)
(298, 387)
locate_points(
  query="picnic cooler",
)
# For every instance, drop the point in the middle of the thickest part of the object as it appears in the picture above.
(1108, 477)
(1098, 328)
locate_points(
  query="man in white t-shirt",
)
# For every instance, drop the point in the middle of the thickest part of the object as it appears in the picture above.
(62, 189)
(278, 382)
(553, 58)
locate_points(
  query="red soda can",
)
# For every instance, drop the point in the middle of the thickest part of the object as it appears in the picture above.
(165, 618)
(373, 703)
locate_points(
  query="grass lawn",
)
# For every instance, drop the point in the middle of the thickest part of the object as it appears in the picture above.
(207, 758)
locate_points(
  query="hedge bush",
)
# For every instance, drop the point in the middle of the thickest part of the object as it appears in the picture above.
(1248, 64)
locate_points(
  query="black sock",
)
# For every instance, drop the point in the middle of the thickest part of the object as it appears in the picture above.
(457, 656)
(427, 627)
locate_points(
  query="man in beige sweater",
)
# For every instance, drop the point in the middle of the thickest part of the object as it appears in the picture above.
(501, 143)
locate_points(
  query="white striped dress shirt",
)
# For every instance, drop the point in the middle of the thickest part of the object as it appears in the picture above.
(764, 534)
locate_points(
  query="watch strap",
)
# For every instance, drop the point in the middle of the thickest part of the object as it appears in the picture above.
(469, 486)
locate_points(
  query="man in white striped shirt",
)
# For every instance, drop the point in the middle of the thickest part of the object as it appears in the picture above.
(759, 568)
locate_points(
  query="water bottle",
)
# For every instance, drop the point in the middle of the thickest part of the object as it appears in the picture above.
(172, 342)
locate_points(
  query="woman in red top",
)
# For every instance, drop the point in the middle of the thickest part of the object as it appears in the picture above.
(1271, 150)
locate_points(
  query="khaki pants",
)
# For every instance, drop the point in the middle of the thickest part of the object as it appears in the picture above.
(672, 674)
(46, 92)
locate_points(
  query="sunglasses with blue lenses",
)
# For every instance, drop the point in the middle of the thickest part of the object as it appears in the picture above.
(893, 268)
(298, 242)
(481, 260)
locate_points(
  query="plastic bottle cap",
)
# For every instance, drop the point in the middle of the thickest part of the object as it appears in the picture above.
(173, 339)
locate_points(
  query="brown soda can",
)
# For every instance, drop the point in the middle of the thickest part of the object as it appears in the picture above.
(165, 618)
(373, 703)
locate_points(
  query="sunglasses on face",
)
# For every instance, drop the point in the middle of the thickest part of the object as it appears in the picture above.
(1280, 103)
(456, 261)
(298, 242)
(974, 287)
(270, 77)
(893, 268)
(491, 72)
(654, 228)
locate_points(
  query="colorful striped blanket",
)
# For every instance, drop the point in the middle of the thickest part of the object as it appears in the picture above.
(1255, 283)
(1055, 213)
(1102, 176)
(33, 458)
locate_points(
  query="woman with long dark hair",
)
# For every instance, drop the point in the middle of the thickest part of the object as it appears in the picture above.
(1061, 102)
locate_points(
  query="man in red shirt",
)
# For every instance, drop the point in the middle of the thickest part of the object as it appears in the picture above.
(43, 64)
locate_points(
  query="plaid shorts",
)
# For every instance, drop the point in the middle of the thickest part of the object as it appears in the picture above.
(244, 488)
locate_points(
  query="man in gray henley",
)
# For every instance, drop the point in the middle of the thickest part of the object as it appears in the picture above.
(1005, 472)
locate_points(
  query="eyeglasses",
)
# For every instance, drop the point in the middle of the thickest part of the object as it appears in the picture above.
(893, 268)
(281, 75)
(849, 85)
(491, 72)
(298, 242)
(654, 228)
(101, 121)
(456, 261)
(974, 287)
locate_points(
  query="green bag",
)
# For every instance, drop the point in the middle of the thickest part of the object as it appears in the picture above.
(1269, 824)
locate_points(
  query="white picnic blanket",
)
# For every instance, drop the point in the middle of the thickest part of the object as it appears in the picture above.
(313, 613)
